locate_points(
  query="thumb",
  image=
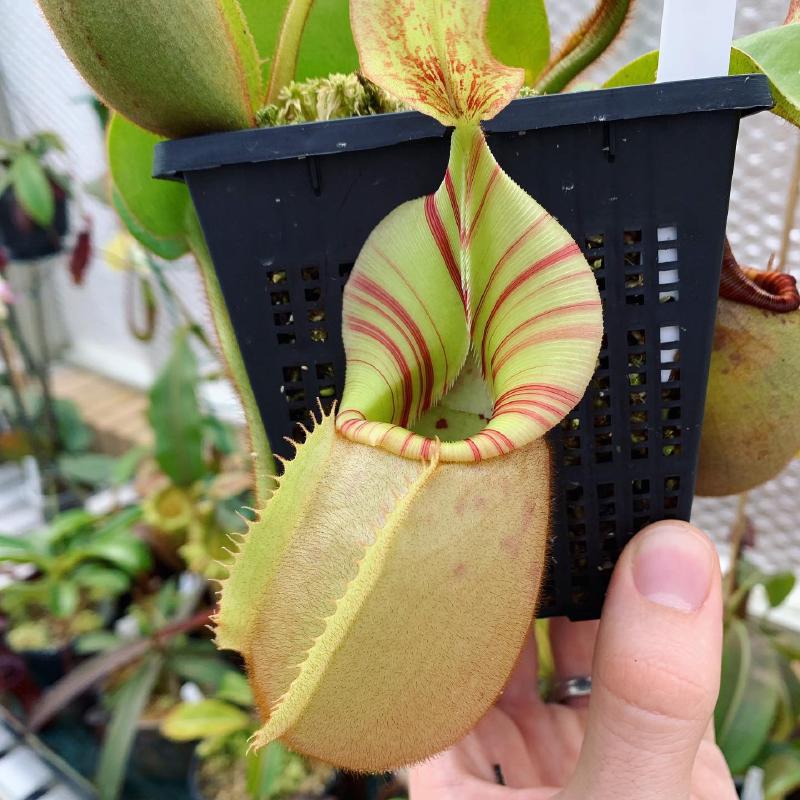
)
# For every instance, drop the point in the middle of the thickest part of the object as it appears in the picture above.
(656, 669)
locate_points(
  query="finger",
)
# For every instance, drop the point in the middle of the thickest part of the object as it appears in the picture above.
(656, 669)
(521, 694)
(572, 644)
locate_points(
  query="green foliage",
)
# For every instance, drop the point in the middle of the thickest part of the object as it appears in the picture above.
(326, 46)
(772, 52)
(519, 35)
(23, 170)
(175, 416)
(82, 563)
(129, 703)
(205, 719)
(159, 207)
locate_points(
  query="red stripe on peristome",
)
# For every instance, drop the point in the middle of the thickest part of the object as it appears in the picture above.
(411, 288)
(374, 332)
(512, 248)
(383, 378)
(537, 318)
(451, 193)
(489, 186)
(546, 424)
(378, 310)
(558, 393)
(556, 257)
(379, 293)
(566, 333)
(442, 240)
(475, 450)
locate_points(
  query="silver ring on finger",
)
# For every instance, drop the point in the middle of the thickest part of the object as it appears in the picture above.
(572, 688)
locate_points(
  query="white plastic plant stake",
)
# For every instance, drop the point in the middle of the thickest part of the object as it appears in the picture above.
(696, 38)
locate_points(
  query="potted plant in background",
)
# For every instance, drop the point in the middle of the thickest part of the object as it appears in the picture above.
(78, 567)
(224, 768)
(33, 198)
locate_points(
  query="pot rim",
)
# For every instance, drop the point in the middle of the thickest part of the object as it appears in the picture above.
(746, 94)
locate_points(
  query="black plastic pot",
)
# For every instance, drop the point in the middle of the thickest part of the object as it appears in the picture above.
(641, 178)
(22, 237)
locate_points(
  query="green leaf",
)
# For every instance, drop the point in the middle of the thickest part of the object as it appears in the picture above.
(778, 587)
(775, 53)
(221, 435)
(175, 416)
(782, 773)
(264, 21)
(129, 704)
(126, 465)
(749, 695)
(789, 703)
(102, 581)
(178, 69)
(96, 642)
(264, 770)
(64, 598)
(32, 189)
(641, 70)
(168, 249)
(208, 672)
(123, 550)
(772, 52)
(74, 434)
(17, 549)
(327, 45)
(235, 689)
(93, 469)
(43, 142)
(158, 206)
(191, 721)
(519, 35)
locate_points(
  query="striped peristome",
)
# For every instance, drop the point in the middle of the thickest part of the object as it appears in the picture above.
(478, 266)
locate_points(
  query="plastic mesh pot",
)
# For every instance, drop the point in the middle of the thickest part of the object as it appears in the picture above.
(640, 177)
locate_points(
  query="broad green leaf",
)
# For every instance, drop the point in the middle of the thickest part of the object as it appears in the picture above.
(778, 587)
(206, 671)
(782, 774)
(180, 68)
(400, 51)
(96, 642)
(32, 189)
(235, 689)
(124, 551)
(158, 206)
(129, 704)
(775, 53)
(17, 549)
(67, 524)
(102, 581)
(93, 469)
(749, 695)
(265, 769)
(175, 416)
(519, 35)
(264, 21)
(74, 434)
(641, 70)
(772, 52)
(190, 721)
(168, 249)
(126, 465)
(64, 598)
(789, 703)
(327, 45)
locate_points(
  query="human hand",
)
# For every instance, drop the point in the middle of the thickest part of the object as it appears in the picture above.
(647, 731)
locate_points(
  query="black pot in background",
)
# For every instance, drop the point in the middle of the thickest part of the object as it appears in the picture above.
(48, 666)
(22, 237)
(639, 176)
